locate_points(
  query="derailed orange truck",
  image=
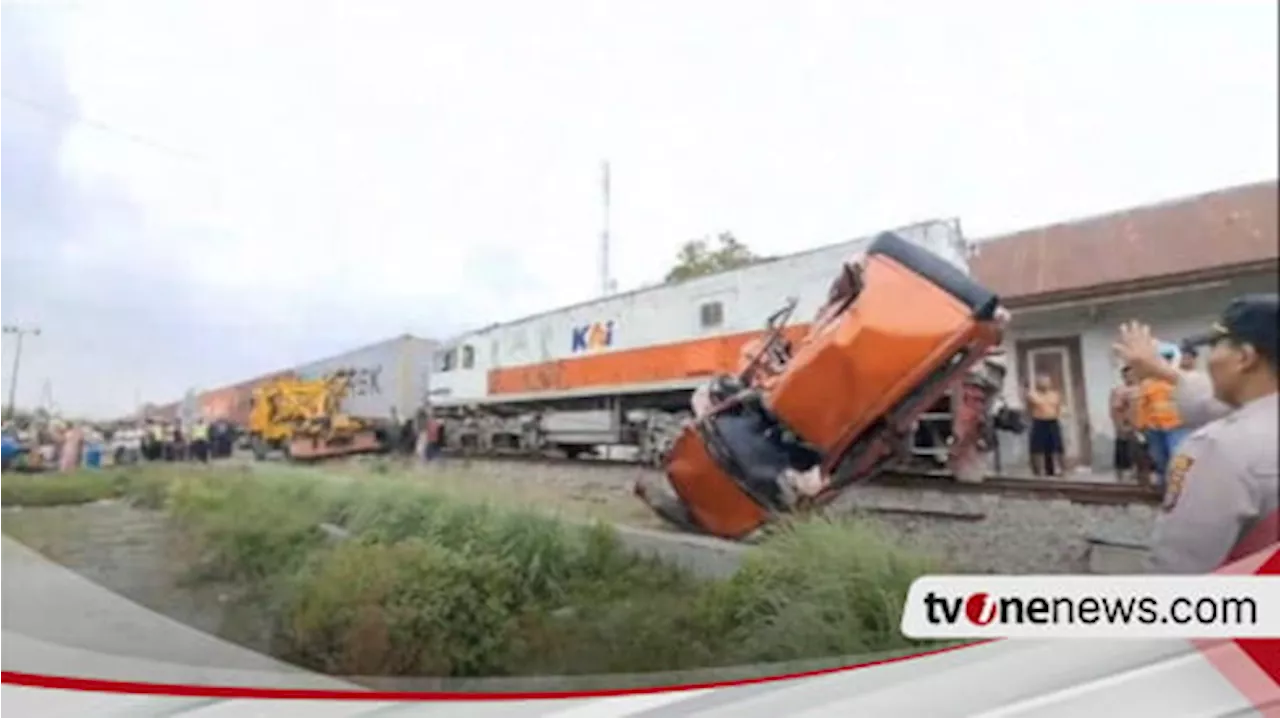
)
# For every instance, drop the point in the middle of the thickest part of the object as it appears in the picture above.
(805, 419)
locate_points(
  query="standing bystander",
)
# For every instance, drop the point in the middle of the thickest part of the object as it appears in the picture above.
(1188, 357)
(72, 445)
(199, 446)
(1045, 404)
(1162, 425)
(1128, 449)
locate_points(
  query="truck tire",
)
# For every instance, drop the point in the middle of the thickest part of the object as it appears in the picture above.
(663, 501)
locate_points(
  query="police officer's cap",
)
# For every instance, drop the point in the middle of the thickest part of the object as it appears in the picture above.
(1250, 319)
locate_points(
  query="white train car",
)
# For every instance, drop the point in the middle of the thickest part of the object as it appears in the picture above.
(389, 378)
(619, 370)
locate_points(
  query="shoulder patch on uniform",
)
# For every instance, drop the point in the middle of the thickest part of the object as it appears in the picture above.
(1178, 469)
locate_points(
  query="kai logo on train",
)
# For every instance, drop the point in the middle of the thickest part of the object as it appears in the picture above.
(593, 336)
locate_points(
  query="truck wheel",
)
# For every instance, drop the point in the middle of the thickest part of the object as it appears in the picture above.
(663, 501)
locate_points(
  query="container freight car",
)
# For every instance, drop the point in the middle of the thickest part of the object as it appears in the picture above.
(233, 403)
(619, 371)
(390, 378)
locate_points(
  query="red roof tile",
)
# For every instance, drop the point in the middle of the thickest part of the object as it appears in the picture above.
(1230, 228)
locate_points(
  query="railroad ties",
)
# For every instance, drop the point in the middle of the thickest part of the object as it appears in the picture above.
(1075, 491)
(1081, 492)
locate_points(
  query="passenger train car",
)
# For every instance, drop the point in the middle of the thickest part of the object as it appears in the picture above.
(618, 372)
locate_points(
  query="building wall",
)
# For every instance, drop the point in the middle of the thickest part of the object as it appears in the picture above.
(1173, 314)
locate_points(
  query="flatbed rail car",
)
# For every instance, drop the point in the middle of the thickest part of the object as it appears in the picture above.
(614, 376)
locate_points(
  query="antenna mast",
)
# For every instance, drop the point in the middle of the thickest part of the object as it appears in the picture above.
(606, 282)
(46, 398)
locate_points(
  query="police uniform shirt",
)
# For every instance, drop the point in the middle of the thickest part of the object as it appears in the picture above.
(1222, 482)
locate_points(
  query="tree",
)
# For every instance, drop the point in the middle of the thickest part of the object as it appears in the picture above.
(698, 257)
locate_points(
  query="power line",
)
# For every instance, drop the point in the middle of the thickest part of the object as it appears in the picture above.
(101, 126)
(203, 165)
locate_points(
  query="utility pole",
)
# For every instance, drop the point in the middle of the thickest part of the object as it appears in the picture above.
(19, 332)
(606, 281)
(47, 404)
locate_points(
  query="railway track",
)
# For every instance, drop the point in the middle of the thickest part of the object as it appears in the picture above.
(1081, 492)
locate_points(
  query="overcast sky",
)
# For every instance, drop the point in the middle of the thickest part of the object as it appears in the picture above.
(198, 192)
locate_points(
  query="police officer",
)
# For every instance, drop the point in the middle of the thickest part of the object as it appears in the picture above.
(199, 441)
(1222, 489)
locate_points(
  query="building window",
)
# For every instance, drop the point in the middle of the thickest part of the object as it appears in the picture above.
(468, 356)
(712, 314)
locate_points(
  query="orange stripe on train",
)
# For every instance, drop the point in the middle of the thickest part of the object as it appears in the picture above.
(666, 362)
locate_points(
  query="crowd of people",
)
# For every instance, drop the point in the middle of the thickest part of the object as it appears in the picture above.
(1203, 433)
(40, 444)
(1147, 423)
(199, 441)
(43, 444)
(1144, 414)
(1221, 488)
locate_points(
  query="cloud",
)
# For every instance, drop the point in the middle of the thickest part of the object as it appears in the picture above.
(258, 184)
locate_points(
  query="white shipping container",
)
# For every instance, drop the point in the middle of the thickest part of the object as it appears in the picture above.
(390, 375)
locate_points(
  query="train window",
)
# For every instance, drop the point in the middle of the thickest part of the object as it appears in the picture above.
(445, 360)
(712, 314)
(468, 356)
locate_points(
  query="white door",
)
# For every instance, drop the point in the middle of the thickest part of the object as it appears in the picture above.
(1055, 362)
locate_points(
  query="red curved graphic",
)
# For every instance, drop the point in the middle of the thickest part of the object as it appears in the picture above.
(97, 685)
(1252, 666)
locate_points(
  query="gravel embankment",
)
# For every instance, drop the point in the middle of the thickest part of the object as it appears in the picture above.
(980, 532)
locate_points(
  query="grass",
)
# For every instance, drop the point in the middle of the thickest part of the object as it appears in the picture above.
(609, 501)
(430, 583)
(82, 487)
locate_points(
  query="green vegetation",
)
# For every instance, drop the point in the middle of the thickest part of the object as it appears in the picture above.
(386, 576)
(698, 257)
(82, 487)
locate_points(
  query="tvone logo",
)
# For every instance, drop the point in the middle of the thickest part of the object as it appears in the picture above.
(593, 336)
(980, 609)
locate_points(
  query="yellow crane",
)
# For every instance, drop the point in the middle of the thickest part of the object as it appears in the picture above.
(304, 418)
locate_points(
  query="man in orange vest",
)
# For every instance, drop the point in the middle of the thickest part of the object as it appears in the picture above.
(1223, 496)
(1158, 417)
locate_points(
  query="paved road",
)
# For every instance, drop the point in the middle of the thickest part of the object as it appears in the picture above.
(55, 621)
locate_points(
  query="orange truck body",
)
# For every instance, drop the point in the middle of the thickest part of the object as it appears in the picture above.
(853, 387)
